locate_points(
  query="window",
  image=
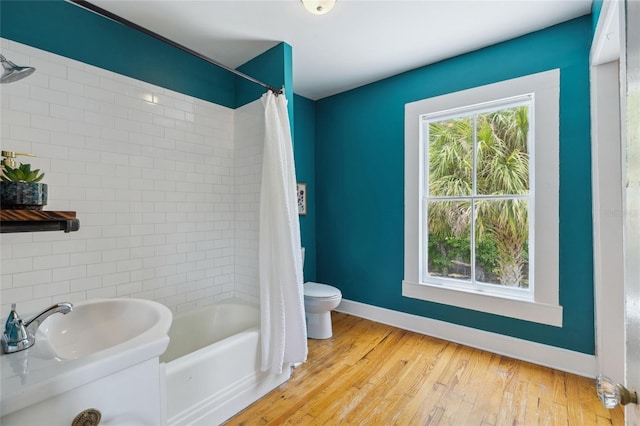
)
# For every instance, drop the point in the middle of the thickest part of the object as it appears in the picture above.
(481, 199)
(477, 197)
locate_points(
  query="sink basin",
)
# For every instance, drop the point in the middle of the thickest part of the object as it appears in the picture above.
(98, 339)
(101, 324)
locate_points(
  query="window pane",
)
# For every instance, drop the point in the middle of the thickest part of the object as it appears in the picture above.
(451, 157)
(502, 158)
(449, 239)
(502, 237)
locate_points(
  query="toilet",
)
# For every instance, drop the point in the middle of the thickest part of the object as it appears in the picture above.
(319, 301)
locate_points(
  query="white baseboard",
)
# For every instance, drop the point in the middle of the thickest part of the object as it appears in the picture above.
(537, 353)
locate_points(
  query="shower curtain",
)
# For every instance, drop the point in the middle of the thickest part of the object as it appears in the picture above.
(283, 327)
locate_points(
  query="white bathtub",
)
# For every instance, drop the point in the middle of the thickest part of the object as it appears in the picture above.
(212, 364)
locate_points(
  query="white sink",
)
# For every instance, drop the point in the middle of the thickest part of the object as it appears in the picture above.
(97, 339)
(96, 325)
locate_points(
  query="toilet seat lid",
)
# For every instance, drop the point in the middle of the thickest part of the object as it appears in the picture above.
(321, 291)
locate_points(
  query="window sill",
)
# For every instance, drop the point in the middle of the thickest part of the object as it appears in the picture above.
(527, 310)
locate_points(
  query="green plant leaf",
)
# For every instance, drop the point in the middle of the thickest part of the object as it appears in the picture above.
(23, 173)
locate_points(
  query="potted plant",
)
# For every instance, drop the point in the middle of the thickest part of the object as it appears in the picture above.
(20, 188)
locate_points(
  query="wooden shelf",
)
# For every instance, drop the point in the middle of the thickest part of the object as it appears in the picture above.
(37, 220)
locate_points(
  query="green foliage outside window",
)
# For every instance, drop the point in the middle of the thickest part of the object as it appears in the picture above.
(492, 187)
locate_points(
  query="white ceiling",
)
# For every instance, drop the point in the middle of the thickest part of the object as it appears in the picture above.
(358, 42)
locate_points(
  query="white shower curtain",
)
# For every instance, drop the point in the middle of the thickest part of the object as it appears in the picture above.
(284, 333)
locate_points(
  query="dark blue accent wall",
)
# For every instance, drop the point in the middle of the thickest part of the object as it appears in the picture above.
(360, 181)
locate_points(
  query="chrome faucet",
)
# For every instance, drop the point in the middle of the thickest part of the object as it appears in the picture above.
(19, 335)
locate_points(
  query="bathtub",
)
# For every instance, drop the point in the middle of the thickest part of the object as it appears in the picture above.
(211, 367)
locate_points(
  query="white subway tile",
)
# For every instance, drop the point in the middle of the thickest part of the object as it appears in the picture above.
(129, 242)
(81, 76)
(51, 261)
(50, 95)
(85, 283)
(85, 258)
(141, 274)
(114, 86)
(84, 155)
(165, 292)
(186, 106)
(128, 289)
(50, 66)
(29, 134)
(114, 134)
(166, 228)
(99, 94)
(82, 103)
(52, 289)
(25, 279)
(141, 117)
(51, 124)
(118, 278)
(12, 266)
(127, 103)
(69, 273)
(101, 293)
(174, 113)
(70, 246)
(115, 255)
(129, 265)
(27, 249)
(166, 188)
(66, 139)
(85, 129)
(99, 119)
(101, 194)
(64, 87)
(16, 118)
(16, 295)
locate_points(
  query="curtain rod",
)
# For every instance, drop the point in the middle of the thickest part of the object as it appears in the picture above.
(105, 13)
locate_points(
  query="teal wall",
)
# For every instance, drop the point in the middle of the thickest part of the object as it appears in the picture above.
(304, 147)
(68, 30)
(62, 28)
(596, 8)
(273, 67)
(353, 166)
(360, 181)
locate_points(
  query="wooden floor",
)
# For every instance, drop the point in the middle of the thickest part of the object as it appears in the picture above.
(373, 374)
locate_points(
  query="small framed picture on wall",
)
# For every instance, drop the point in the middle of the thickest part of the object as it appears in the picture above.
(302, 198)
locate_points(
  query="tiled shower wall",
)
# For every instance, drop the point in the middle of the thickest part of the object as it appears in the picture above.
(249, 137)
(166, 188)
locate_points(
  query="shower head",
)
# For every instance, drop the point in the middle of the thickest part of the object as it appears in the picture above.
(12, 72)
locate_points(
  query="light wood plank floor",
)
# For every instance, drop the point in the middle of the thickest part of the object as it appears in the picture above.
(373, 374)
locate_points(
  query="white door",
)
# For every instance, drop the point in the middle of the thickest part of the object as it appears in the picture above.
(615, 95)
(631, 132)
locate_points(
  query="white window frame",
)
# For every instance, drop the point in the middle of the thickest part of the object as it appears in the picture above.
(541, 303)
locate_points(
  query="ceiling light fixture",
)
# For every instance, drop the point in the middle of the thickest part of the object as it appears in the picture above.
(318, 7)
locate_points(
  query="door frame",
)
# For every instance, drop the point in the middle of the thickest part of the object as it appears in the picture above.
(607, 190)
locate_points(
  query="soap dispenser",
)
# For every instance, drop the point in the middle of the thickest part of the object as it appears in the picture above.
(9, 158)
